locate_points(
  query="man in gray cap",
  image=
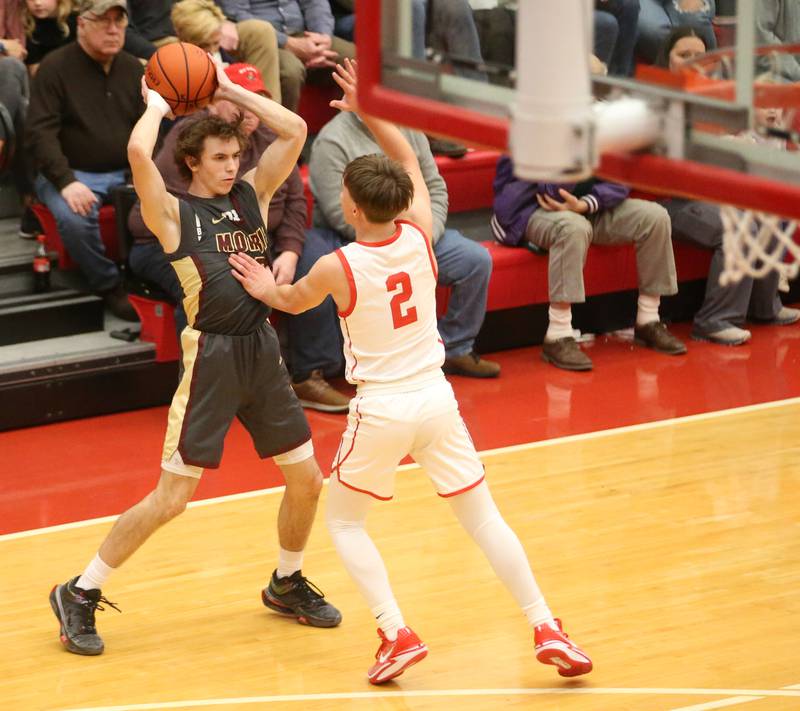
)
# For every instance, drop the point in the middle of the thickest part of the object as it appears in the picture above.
(84, 104)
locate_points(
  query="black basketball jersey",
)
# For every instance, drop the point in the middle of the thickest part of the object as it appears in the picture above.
(212, 229)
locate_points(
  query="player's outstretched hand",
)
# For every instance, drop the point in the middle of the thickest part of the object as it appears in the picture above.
(257, 280)
(345, 77)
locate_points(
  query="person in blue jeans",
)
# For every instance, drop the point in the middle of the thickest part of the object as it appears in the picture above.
(315, 339)
(84, 104)
(615, 33)
(658, 18)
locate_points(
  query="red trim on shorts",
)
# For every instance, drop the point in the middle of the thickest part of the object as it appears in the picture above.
(384, 242)
(428, 244)
(351, 282)
(461, 491)
(337, 466)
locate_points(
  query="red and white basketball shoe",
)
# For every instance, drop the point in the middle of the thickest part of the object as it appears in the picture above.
(393, 658)
(554, 647)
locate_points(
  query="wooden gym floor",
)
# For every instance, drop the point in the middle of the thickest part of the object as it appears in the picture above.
(671, 550)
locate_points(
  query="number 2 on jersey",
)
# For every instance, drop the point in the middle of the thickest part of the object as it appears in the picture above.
(400, 317)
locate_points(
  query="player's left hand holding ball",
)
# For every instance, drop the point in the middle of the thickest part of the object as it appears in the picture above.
(257, 280)
(153, 98)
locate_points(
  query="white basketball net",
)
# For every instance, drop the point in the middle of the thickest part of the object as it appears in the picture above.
(756, 243)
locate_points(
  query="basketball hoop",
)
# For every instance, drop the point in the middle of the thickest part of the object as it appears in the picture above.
(757, 243)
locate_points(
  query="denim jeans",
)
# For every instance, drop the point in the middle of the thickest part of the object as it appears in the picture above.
(315, 339)
(81, 235)
(615, 33)
(699, 224)
(148, 261)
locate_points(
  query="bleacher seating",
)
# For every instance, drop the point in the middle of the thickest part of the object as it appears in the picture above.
(519, 277)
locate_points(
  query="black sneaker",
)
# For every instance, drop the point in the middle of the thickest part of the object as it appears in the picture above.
(74, 608)
(29, 226)
(296, 597)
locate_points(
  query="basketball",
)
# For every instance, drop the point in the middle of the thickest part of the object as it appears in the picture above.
(184, 75)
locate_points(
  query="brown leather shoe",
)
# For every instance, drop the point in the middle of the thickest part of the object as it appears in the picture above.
(565, 353)
(316, 393)
(472, 366)
(656, 336)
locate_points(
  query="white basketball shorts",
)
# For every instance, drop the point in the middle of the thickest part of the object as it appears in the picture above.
(382, 428)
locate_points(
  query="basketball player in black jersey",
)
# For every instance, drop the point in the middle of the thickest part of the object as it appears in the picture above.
(231, 360)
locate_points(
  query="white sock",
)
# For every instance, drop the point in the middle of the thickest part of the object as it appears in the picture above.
(648, 309)
(289, 562)
(560, 323)
(95, 575)
(389, 618)
(478, 514)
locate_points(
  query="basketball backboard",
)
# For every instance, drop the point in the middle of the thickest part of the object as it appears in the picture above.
(711, 142)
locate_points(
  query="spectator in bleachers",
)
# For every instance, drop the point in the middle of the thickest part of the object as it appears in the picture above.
(155, 23)
(49, 24)
(287, 209)
(725, 308)
(12, 55)
(563, 221)
(658, 18)
(465, 266)
(307, 46)
(13, 104)
(615, 33)
(84, 104)
(496, 23)
(681, 46)
(778, 22)
(447, 27)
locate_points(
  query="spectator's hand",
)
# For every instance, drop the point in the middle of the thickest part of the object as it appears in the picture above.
(256, 279)
(311, 53)
(326, 59)
(284, 267)
(79, 198)
(570, 204)
(15, 49)
(229, 36)
(320, 40)
(345, 77)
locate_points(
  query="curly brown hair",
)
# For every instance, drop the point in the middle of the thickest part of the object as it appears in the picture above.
(379, 185)
(192, 138)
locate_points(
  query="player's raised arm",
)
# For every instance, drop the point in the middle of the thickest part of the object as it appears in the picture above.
(281, 155)
(326, 277)
(159, 208)
(392, 142)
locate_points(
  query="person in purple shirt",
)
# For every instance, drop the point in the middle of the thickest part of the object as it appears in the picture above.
(563, 220)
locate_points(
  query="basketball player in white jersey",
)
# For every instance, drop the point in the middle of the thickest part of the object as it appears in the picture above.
(384, 286)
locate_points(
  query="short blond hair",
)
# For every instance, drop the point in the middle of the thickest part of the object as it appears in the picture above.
(195, 21)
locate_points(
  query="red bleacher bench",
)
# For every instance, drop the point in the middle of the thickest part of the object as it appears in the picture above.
(519, 277)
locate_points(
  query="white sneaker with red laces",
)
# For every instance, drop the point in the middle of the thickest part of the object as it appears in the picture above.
(393, 658)
(554, 647)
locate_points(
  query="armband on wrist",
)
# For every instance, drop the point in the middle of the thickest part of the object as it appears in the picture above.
(156, 100)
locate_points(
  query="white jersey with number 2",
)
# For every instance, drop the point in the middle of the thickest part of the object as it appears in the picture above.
(389, 327)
